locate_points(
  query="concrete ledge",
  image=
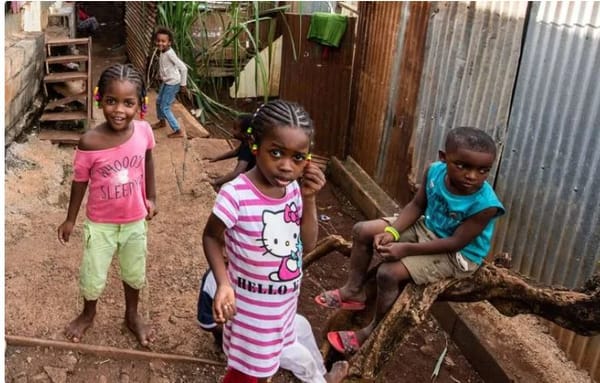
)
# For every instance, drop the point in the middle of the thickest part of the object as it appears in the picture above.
(360, 188)
(471, 346)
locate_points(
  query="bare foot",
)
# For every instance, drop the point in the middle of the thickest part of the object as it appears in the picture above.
(159, 124)
(338, 372)
(346, 293)
(177, 134)
(143, 332)
(75, 330)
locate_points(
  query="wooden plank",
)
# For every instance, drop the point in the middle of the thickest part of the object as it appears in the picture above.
(59, 136)
(66, 59)
(65, 76)
(63, 41)
(64, 116)
(192, 126)
(320, 161)
(106, 351)
(78, 97)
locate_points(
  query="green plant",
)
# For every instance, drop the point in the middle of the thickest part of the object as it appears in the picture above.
(240, 35)
(179, 17)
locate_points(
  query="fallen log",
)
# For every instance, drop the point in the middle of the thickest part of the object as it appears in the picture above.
(510, 293)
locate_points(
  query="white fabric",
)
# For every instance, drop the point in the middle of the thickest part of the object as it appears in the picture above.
(303, 357)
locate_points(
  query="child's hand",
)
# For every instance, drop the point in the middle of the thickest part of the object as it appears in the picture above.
(313, 180)
(224, 304)
(382, 239)
(64, 231)
(393, 251)
(151, 208)
(185, 91)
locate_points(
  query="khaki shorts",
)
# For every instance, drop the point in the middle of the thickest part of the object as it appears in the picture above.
(100, 242)
(432, 268)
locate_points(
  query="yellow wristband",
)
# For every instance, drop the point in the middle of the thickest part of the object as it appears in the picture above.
(392, 230)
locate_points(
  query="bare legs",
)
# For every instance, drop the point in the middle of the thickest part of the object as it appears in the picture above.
(144, 334)
(390, 275)
(360, 259)
(338, 372)
(78, 326)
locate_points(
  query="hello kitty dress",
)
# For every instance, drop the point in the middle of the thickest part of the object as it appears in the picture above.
(263, 245)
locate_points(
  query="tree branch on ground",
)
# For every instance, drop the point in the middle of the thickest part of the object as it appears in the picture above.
(510, 293)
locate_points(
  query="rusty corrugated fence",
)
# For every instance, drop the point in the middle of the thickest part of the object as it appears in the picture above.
(549, 176)
(471, 62)
(319, 80)
(140, 20)
(388, 65)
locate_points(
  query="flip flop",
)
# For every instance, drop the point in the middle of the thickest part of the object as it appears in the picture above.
(333, 300)
(344, 342)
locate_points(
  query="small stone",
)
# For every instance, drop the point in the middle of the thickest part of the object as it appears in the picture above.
(21, 377)
(29, 359)
(41, 377)
(449, 362)
(70, 361)
(57, 375)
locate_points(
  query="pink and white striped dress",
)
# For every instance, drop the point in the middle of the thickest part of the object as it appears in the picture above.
(264, 248)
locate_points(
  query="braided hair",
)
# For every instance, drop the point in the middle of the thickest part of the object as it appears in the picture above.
(471, 139)
(280, 113)
(123, 72)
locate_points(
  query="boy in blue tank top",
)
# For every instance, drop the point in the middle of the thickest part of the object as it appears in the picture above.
(444, 232)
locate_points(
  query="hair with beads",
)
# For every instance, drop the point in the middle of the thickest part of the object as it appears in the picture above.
(280, 113)
(123, 72)
(471, 139)
(163, 31)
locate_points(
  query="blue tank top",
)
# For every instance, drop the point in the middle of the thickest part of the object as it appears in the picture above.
(446, 211)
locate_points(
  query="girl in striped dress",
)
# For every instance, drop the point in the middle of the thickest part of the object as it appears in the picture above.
(262, 221)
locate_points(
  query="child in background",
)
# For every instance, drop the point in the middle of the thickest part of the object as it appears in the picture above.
(115, 159)
(262, 221)
(246, 160)
(444, 232)
(87, 24)
(302, 358)
(173, 74)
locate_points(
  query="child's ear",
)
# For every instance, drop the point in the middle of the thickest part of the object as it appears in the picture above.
(442, 155)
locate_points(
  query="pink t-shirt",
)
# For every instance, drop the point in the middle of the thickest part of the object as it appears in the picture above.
(264, 249)
(117, 187)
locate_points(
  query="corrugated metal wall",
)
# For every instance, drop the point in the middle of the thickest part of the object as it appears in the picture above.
(549, 176)
(472, 55)
(320, 81)
(140, 20)
(388, 65)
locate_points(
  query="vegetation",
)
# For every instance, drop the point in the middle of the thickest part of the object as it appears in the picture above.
(237, 40)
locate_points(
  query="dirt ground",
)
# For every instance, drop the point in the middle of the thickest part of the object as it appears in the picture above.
(41, 278)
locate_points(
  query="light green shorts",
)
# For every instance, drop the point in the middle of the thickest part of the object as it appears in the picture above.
(100, 242)
(431, 268)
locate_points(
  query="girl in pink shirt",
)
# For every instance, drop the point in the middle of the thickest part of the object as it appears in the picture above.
(262, 221)
(115, 160)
